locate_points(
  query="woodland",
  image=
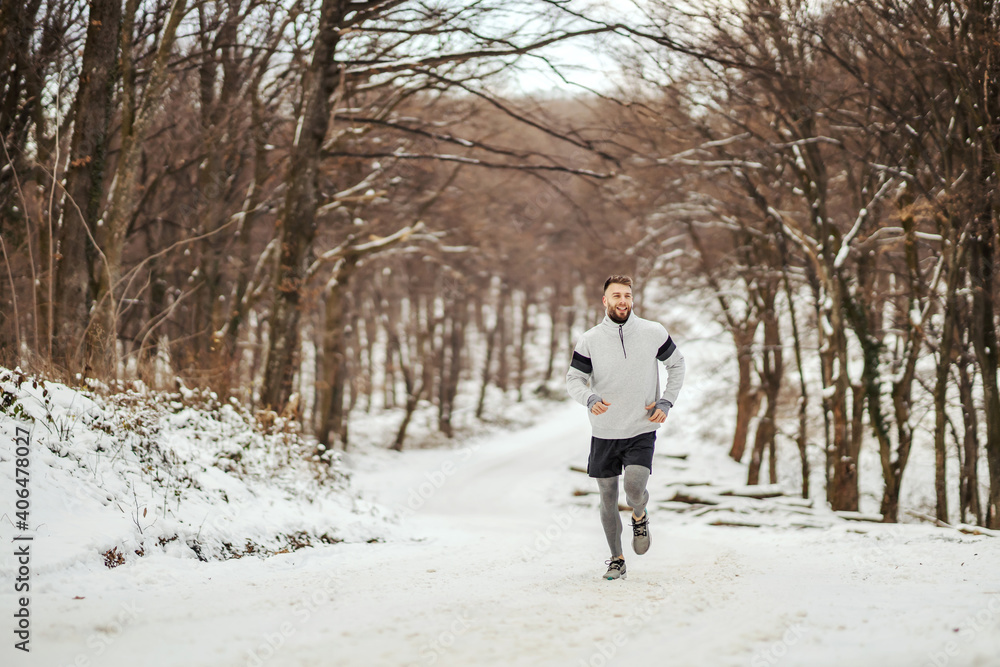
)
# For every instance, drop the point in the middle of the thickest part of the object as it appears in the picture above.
(319, 207)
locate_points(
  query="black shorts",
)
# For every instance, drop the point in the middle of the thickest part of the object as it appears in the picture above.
(608, 457)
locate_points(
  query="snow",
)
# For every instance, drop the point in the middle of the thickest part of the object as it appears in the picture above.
(179, 474)
(485, 551)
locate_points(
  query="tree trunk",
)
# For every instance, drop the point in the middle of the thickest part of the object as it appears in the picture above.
(330, 397)
(984, 342)
(240, 300)
(102, 336)
(389, 377)
(449, 389)
(571, 313)
(430, 347)
(297, 219)
(212, 184)
(371, 333)
(352, 374)
(441, 363)
(414, 389)
(846, 441)
(158, 235)
(523, 343)
(866, 310)
(17, 21)
(503, 327)
(902, 407)
(801, 439)
(555, 304)
(772, 371)
(411, 406)
(983, 135)
(945, 360)
(748, 397)
(969, 484)
(85, 184)
(491, 339)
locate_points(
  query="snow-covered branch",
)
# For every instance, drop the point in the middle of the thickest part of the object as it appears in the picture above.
(348, 248)
(845, 244)
(444, 157)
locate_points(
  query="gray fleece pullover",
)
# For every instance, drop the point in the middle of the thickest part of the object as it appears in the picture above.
(620, 364)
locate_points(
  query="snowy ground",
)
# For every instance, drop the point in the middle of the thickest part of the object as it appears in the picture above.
(496, 562)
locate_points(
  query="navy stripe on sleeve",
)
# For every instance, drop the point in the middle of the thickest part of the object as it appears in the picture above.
(582, 363)
(666, 349)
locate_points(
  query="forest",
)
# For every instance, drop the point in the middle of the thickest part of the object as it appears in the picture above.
(319, 207)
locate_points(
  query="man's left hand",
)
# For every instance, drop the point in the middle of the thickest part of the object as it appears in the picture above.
(658, 416)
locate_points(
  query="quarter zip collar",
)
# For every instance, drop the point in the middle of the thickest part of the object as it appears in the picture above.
(627, 325)
(622, 329)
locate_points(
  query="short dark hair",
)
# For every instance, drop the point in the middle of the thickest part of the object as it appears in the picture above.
(617, 280)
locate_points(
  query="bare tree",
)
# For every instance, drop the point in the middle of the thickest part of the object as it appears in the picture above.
(325, 76)
(84, 186)
(139, 108)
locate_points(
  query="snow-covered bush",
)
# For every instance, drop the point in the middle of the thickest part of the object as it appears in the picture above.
(185, 473)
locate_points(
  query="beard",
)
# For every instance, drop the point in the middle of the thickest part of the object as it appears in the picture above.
(616, 318)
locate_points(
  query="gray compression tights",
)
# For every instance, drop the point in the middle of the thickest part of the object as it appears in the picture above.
(635, 495)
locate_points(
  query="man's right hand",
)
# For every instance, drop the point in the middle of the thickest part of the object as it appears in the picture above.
(600, 407)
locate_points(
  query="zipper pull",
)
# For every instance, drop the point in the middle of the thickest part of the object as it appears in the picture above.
(621, 335)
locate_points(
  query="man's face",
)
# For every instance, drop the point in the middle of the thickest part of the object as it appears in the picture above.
(618, 301)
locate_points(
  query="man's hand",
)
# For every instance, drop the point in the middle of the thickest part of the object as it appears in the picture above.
(658, 416)
(600, 407)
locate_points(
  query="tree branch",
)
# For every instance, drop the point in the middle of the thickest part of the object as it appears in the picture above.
(469, 161)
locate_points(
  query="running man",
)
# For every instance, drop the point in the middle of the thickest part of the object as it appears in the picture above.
(615, 372)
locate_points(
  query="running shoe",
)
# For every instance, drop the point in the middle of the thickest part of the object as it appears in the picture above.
(616, 569)
(640, 534)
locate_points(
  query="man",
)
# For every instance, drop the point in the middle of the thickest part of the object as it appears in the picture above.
(615, 373)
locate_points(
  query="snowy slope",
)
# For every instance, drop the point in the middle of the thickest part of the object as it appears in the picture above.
(183, 475)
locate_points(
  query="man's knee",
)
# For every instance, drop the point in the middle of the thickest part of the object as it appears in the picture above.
(635, 478)
(637, 497)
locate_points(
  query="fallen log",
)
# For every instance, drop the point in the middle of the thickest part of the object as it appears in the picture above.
(792, 501)
(693, 498)
(962, 527)
(671, 506)
(794, 509)
(859, 516)
(760, 492)
(926, 517)
(735, 524)
(803, 524)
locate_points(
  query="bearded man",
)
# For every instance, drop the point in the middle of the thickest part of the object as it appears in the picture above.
(615, 373)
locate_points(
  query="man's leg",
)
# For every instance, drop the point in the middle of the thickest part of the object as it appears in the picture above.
(636, 494)
(611, 519)
(637, 497)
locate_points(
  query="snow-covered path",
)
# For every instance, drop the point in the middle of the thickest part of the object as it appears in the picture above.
(498, 564)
